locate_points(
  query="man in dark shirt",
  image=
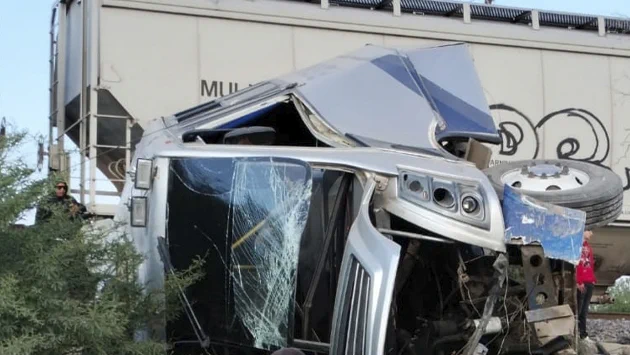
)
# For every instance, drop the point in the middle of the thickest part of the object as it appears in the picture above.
(61, 199)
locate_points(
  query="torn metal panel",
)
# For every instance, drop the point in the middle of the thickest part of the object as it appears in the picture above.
(433, 86)
(450, 82)
(541, 290)
(550, 323)
(558, 229)
(269, 213)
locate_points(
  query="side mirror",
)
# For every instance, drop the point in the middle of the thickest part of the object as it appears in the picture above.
(251, 136)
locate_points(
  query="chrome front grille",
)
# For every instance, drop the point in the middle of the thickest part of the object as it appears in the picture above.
(355, 306)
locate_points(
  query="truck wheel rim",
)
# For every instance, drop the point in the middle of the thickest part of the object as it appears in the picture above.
(545, 177)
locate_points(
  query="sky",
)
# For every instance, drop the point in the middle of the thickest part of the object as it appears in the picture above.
(24, 55)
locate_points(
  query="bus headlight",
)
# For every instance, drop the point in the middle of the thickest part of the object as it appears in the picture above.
(139, 211)
(454, 198)
(143, 174)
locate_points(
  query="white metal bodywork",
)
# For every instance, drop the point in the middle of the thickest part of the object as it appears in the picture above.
(380, 161)
(379, 167)
(379, 257)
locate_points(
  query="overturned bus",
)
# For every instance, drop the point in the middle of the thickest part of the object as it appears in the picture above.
(345, 209)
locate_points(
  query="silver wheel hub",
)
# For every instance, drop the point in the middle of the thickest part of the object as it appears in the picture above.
(545, 177)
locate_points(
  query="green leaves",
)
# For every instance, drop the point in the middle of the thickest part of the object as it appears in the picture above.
(621, 293)
(66, 288)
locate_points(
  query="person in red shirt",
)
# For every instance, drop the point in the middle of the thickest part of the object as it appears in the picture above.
(585, 278)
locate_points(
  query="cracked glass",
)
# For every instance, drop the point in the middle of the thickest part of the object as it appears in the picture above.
(246, 216)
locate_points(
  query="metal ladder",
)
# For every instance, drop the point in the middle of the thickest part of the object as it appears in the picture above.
(88, 141)
(57, 161)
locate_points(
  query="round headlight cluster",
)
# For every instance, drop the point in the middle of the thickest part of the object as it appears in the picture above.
(444, 197)
(470, 204)
(455, 199)
(418, 188)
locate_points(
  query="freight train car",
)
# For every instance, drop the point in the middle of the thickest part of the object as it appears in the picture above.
(558, 83)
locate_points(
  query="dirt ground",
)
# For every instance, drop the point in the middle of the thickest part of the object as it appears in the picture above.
(609, 331)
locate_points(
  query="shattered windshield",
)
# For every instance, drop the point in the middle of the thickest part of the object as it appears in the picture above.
(247, 216)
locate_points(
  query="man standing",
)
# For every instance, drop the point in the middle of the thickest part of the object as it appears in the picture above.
(585, 277)
(62, 199)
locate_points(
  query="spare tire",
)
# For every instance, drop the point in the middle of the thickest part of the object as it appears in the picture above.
(593, 189)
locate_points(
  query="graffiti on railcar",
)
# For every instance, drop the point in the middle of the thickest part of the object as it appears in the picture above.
(524, 136)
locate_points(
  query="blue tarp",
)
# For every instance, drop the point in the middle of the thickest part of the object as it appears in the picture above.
(558, 229)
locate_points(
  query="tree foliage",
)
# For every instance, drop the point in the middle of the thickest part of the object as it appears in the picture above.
(66, 288)
(621, 293)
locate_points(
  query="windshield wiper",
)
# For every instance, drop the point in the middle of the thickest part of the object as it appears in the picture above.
(202, 337)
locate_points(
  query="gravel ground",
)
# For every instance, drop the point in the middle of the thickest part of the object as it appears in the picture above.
(610, 331)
